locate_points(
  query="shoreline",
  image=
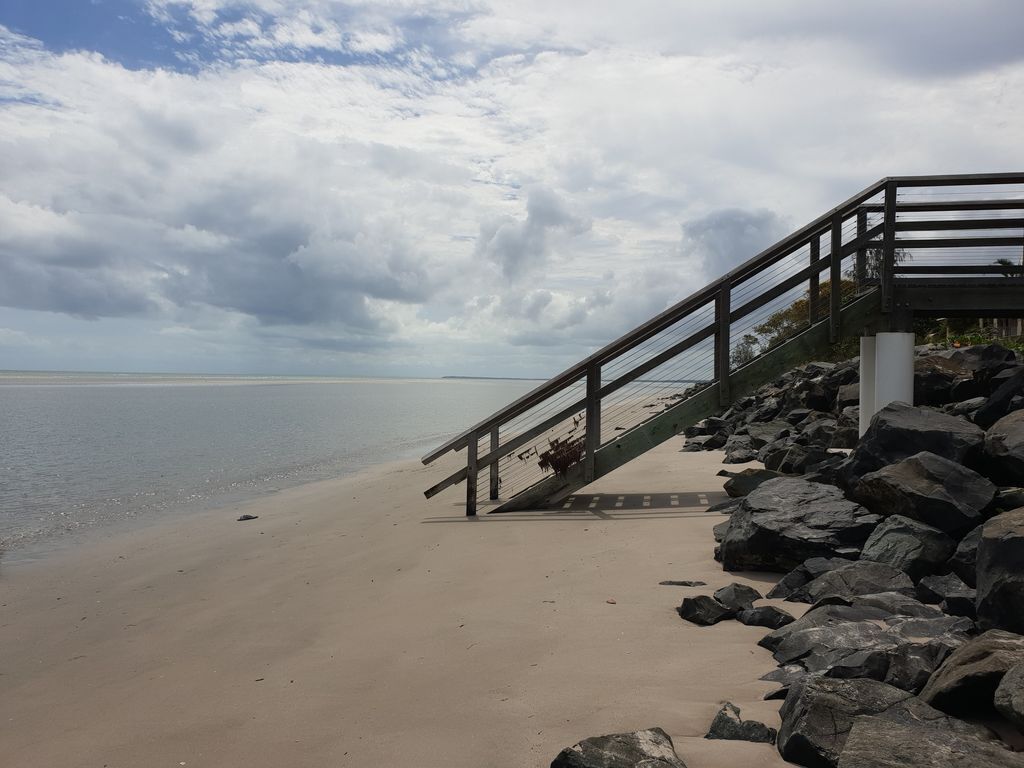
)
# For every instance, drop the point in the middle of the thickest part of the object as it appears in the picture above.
(355, 621)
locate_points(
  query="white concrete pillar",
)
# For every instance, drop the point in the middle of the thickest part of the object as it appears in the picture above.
(894, 369)
(867, 382)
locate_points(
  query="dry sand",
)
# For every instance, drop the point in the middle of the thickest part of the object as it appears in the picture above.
(355, 623)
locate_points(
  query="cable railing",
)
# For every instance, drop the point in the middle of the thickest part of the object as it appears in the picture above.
(562, 434)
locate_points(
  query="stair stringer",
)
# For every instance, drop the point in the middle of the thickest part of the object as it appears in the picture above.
(802, 348)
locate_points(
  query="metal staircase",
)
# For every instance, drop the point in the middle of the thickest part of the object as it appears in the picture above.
(903, 247)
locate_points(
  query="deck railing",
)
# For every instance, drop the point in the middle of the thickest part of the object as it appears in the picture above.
(912, 227)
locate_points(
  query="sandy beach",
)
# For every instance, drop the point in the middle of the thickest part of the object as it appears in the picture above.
(355, 623)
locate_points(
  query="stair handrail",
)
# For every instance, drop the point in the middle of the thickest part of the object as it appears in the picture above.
(718, 292)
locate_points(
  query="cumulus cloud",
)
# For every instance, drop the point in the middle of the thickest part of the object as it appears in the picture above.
(520, 247)
(358, 185)
(724, 239)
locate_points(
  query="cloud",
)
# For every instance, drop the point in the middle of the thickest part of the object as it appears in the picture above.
(520, 247)
(724, 239)
(419, 186)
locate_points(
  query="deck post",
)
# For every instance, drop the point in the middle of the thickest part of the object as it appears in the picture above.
(722, 311)
(888, 246)
(593, 436)
(835, 294)
(471, 474)
(861, 269)
(894, 368)
(494, 465)
(814, 290)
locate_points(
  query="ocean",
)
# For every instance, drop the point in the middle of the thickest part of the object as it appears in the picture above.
(88, 452)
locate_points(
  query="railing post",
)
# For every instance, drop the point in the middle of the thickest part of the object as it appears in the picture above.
(494, 465)
(835, 294)
(814, 290)
(593, 437)
(722, 310)
(888, 246)
(860, 271)
(471, 475)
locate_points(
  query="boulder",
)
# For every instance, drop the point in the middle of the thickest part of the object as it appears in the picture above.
(909, 546)
(820, 432)
(844, 437)
(651, 748)
(933, 379)
(819, 713)
(929, 488)
(764, 616)
(786, 521)
(1009, 696)
(899, 431)
(880, 742)
(849, 394)
(981, 357)
(807, 571)
(704, 610)
(859, 577)
(1000, 572)
(967, 680)
(739, 449)
(950, 593)
(1004, 449)
(762, 432)
(729, 725)
(1008, 498)
(794, 459)
(738, 597)
(964, 562)
(967, 407)
(999, 402)
(742, 483)
(719, 530)
(863, 641)
(895, 604)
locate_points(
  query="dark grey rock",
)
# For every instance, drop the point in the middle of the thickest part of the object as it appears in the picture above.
(807, 571)
(1008, 498)
(967, 407)
(763, 432)
(739, 449)
(933, 379)
(737, 596)
(1004, 449)
(881, 742)
(786, 521)
(909, 546)
(742, 483)
(795, 459)
(935, 589)
(819, 713)
(967, 680)
(682, 583)
(1009, 696)
(651, 748)
(981, 357)
(244, 518)
(849, 394)
(998, 404)
(899, 431)
(964, 562)
(719, 530)
(704, 610)
(729, 725)
(820, 431)
(844, 437)
(897, 604)
(859, 577)
(929, 488)
(764, 616)
(1000, 570)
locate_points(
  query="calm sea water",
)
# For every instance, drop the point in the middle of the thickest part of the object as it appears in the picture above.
(83, 452)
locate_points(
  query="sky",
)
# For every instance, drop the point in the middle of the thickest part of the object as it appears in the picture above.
(414, 188)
